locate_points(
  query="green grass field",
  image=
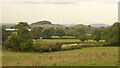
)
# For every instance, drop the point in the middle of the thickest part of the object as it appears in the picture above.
(61, 40)
(63, 37)
(94, 56)
(66, 40)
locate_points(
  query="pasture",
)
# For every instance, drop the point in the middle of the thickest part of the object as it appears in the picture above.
(63, 37)
(66, 40)
(61, 40)
(94, 56)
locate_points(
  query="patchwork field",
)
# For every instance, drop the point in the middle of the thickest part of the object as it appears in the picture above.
(94, 56)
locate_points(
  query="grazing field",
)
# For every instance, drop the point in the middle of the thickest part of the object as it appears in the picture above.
(94, 56)
(61, 40)
(63, 37)
(67, 40)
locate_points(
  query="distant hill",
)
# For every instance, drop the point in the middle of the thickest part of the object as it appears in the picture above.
(79, 26)
(46, 24)
(99, 25)
(42, 23)
(68, 24)
(88, 28)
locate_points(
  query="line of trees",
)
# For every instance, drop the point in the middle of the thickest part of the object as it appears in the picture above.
(38, 32)
(23, 39)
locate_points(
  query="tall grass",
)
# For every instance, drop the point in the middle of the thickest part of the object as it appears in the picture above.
(96, 56)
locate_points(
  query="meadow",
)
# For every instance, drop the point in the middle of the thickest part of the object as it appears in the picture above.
(61, 40)
(67, 40)
(94, 56)
(63, 37)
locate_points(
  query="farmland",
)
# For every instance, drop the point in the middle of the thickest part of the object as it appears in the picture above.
(59, 33)
(94, 56)
(61, 40)
(66, 40)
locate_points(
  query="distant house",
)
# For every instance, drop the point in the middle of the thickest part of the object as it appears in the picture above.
(10, 30)
(13, 30)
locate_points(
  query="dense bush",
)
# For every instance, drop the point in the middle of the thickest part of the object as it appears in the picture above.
(22, 40)
(4, 34)
(92, 44)
(77, 47)
(71, 46)
(46, 46)
(112, 34)
(16, 43)
(83, 37)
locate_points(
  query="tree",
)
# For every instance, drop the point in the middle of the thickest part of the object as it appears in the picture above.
(22, 41)
(112, 34)
(36, 32)
(96, 34)
(70, 32)
(83, 37)
(52, 30)
(79, 32)
(5, 34)
(21, 25)
(89, 26)
(60, 32)
(46, 33)
(14, 42)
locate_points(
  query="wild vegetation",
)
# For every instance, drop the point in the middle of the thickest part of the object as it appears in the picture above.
(22, 40)
(57, 40)
(96, 56)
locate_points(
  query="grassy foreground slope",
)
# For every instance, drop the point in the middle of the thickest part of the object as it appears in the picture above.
(96, 56)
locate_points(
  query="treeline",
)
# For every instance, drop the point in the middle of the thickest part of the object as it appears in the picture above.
(22, 39)
(38, 32)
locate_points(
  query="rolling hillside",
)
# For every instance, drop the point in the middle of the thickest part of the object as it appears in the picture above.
(45, 24)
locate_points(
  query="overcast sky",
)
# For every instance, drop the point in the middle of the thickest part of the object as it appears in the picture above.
(59, 0)
(61, 12)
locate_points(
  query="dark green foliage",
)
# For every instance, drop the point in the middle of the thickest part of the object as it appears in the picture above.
(70, 32)
(40, 46)
(96, 34)
(79, 32)
(36, 32)
(83, 37)
(5, 34)
(14, 42)
(52, 30)
(21, 25)
(112, 34)
(22, 41)
(60, 32)
(46, 33)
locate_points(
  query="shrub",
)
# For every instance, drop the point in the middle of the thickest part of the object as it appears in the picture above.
(92, 44)
(71, 46)
(16, 43)
(66, 47)
(46, 46)
(83, 37)
(77, 47)
(13, 43)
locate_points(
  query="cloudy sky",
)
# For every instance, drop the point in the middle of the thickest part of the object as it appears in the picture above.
(60, 11)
